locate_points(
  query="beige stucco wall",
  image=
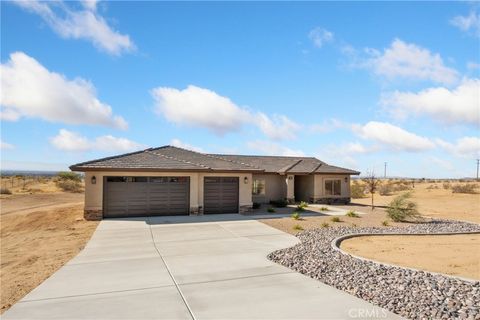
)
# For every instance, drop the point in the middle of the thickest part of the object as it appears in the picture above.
(275, 188)
(94, 192)
(319, 185)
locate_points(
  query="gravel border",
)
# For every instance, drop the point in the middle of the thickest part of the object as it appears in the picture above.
(411, 293)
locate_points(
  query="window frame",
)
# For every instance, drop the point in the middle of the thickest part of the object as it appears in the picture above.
(332, 191)
(255, 187)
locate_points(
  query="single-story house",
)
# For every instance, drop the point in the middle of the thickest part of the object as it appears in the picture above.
(175, 181)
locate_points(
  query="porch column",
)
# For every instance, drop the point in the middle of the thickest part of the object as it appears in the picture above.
(290, 181)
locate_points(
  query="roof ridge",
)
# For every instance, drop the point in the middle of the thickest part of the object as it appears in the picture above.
(264, 156)
(228, 160)
(108, 158)
(316, 168)
(176, 159)
(290, 166)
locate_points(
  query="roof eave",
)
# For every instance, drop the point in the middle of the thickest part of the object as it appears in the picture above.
(145, 169)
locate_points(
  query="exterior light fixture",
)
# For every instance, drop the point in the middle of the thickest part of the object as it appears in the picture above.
(346, 179)
(245, 180)
(290, 177)
(94, 180)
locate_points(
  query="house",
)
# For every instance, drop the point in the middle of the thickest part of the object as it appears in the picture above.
(175, 181)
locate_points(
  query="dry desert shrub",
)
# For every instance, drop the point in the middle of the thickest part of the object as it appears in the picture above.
(465, 188)
(447, 185)
(5, 191)
(386, 189)
(357, 190)
(70, 185)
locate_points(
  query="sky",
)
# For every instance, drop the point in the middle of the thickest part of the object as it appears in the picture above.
(355, 84)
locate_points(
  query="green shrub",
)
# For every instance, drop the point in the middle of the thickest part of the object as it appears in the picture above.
(385, 223)
(282, 203)
(464, 188)
(296, 215)
(70, 186)
(297, 227)
(324, 209)
(336, 219)
(352, 214)
(66, 175)
(271, 210)
(325, 225)
(302, 206)
(5, 191)
(401, 208)
(357, 191)
(256, 205)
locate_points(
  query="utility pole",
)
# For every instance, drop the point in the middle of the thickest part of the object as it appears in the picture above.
(478, 162)
(385, 171)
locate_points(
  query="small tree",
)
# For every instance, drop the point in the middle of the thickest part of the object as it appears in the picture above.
(371, 183)
(66, 175)
(402, 208)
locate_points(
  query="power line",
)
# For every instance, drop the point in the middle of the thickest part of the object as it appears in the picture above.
(478, 163)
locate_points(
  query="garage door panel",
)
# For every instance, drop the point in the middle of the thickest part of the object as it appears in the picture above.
(221, 195)
(144, 196)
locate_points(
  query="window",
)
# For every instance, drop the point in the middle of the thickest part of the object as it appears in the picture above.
(333, 187)
(258, 187)
(116, 179)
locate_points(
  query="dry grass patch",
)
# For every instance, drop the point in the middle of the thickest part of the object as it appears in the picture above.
(36, 244)
(457, 255)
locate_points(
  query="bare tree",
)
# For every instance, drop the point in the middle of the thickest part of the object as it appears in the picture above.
(371, 182)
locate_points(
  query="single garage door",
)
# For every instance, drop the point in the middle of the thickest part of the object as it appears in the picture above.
(220, 195)
(146, 196)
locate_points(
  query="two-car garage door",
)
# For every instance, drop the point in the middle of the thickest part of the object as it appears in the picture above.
(147, 196)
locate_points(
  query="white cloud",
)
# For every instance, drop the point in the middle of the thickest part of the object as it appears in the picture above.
(79, 24)
(30, 90)
(273, 149)
(199, 107)
(473, 65)
(278, 128)
(74, 142)
(442, 163)
(180, 144)
(466, 147)
(328, 126)
(470, 23)
(407, 60)
(320, 36)
(393, 137)
(457, 106)
(5, 146)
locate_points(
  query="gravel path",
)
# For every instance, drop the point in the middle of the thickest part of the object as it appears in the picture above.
(409, 293)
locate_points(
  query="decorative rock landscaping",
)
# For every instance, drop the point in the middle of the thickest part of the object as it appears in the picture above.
(410, 293)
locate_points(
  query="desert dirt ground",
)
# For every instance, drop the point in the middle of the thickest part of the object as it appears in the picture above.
(433, 201)
(436, 202)
(457, 255)
(40, 231)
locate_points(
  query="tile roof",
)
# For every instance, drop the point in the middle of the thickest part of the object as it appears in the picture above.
(169, 158)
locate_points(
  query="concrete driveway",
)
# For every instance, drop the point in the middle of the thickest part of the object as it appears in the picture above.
(210, 267)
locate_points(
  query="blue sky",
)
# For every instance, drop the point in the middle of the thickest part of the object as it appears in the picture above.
(355, 84)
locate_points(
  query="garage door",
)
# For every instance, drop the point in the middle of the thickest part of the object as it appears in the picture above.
(146, 196)
(220, 195)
